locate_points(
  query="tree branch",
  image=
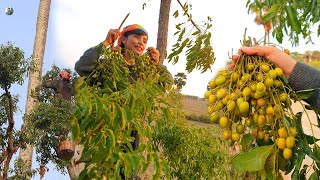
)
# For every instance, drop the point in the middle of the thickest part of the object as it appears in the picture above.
(193, 23)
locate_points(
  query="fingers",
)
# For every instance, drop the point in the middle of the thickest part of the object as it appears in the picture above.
(153, 54)
(112, 36)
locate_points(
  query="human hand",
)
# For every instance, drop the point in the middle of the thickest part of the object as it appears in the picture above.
(112, 36)
(278, 57)
(154, 54)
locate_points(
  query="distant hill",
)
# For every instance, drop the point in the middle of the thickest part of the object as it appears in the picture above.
(195, 105)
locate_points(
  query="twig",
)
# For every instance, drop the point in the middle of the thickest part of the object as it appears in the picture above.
(121, 25)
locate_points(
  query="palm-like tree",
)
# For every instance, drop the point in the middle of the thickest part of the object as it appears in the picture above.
(36, 74)
(180, 80)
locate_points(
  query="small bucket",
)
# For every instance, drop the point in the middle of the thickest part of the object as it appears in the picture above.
(66, 150)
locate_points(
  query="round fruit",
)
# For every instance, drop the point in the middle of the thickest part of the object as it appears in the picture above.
(214, 117)
(287, 153)
(261, 120)
(224, 122)
(272, 74)
(260, 135)
(244, 107)
(246, 91)
(265, 67)
(250, 66)
(221, 93)
(231, 106)
(259, 77)
(235, 136)
(279, 71)
(281, 143)
(239, 128)
(282, 132)
(277, 83)
(270, 110)
(226, 135)
(268, 81)
(234, 77)
(212, 84)
(212, 99)
(290, 142)
(261, 102)
(220, 80)
(253, 87)
(207, 94)
(283, 97)
(210, 109)
(260, 86)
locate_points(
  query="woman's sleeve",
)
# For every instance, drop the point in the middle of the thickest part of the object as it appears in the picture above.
(165, 76)
(85, 65)
(305, 77)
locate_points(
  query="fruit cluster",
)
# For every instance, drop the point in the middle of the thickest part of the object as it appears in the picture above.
(253, 98)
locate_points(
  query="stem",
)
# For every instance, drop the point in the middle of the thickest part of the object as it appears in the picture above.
(193, 23)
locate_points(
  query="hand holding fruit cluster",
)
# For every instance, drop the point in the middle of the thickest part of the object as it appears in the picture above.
(253, 98)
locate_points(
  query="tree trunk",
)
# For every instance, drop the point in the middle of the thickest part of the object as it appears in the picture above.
(163, 25)
(72, 172)
(35, 75)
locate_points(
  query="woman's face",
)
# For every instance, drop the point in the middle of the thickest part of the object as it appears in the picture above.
(136, 43)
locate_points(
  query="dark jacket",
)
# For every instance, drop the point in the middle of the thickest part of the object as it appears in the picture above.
(87, 62)
(305, 77)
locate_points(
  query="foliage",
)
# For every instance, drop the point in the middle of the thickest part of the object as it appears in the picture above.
(193, 153)
(13, 68)
(112, 102)
(200, 118)
(49, 122)
(293, 18)
(196, 41)
(252, 103)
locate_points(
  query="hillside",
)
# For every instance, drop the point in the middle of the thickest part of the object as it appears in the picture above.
(194, 105)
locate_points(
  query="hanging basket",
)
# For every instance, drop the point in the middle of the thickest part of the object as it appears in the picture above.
(66, 150)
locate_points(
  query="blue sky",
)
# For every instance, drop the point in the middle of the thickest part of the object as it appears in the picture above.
(20, 29)
(76, 25)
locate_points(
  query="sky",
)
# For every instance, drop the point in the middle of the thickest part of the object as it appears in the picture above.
(76, 25)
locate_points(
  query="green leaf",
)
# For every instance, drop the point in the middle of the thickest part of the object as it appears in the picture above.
(88, 154)
(98, 106)
(111, 140)
(135, 161)
(314, 176)
(176, 14)
(75, 128)
(298, 162)
(292, 19)
(266, 18)
(127, 114)
(270, 166)
(305, 94)
(253, 160)
(99, 156)
(246, 142)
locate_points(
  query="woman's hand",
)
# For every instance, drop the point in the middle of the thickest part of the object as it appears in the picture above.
(112, 36)
(280, 58)
(153, 54)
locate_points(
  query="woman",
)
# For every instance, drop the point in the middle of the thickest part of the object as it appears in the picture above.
(132, 39)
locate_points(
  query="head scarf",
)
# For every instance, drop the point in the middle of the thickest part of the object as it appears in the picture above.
(128, 28)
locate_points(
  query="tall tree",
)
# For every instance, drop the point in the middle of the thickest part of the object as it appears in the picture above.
(13, 68)
(180, 80)
(163, 25)
(35, 75)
